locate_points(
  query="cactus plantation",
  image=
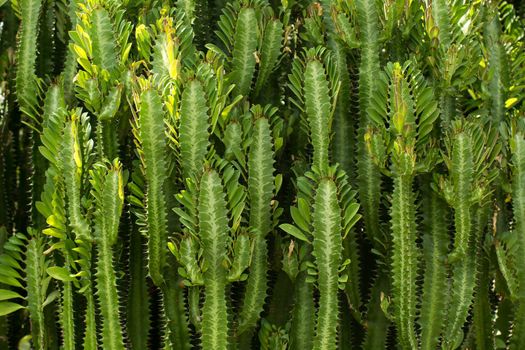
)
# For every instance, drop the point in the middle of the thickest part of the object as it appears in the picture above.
(262, 174)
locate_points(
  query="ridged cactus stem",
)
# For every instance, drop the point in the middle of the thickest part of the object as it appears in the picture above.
(213, 234)
(90, 334)
(153, 141)
(66, 316)
(435, 285)
(405, 260)
(108, 298)
(463, 268)
(109, 193)
(302, 328)
(260, 188)
(327, 250)
(34, 280)
(369, 177)
(518, 204)
(138, 318)
(176, 319)
(497, 65)
(377, 323)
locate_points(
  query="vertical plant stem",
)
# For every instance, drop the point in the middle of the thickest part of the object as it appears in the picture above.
(327, 250)
(404, 260)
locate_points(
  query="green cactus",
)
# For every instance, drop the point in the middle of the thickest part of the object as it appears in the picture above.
(193, 174)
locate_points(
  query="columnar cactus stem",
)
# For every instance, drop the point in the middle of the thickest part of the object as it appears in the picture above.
(404, 259)
(213, 234)
(260, 190)
(108, 187)
(327, 250)
(152, 139)
(518, 204)
(435, 286)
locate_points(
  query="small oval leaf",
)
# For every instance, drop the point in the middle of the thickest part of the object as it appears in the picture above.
(294, 231)
(59, 273)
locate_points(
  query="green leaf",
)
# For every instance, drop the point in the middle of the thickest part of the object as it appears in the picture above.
(9, 271)
(9, 260)
(51, 297)
(299, 219)
(6, 294)
(7, 307)
(60, 273)
(10, 281)
(294, 231)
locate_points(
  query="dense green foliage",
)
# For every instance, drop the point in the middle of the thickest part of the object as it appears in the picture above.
(262, 174)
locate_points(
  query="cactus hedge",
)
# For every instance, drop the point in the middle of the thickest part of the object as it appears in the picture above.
(262, 174)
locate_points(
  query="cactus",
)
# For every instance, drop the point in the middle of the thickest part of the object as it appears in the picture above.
(262, 174)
